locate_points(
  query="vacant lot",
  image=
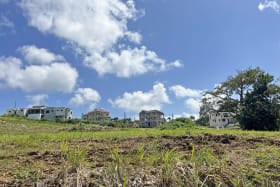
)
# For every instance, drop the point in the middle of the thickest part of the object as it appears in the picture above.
(52, 154)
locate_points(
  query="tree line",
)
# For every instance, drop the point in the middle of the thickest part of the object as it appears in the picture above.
(252, 95)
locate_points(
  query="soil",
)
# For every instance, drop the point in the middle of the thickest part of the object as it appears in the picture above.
(51, 170)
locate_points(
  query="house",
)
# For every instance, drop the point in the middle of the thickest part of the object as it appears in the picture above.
(151, 118)
(49, 113)
(17, 112)
(36, 112)
(43, 112)
(97, 114)
(222, 119)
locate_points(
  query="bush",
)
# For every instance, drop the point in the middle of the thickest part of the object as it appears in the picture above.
(178, 123)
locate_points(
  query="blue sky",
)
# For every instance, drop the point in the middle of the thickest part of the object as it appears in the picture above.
(126, 56)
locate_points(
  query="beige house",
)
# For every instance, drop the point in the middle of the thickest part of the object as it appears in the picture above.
(151, 118)
(96, 115)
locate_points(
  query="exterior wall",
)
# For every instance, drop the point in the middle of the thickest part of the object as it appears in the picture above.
(36, 112)
(96, 115)
(57, 113)
(42, 112)
(21, 112)
(17, 111)
(221, 119)
(11, 112)
(151, 118)
(49, 113)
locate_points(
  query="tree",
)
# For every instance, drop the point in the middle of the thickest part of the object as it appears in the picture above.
(258, 112)
(236, 85)
(229, 96)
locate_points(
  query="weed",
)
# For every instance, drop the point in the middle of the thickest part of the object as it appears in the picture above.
(74, 158)
(117, 172)
(169, 159)
(141, 153)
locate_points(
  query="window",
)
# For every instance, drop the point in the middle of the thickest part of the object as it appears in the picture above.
(47, 111)
(224, 120)
(225, 114)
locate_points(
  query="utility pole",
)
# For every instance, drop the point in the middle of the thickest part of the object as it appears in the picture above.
(124, 117)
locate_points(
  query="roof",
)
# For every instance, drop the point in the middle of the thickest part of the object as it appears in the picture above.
(151, 111)
(98, 110)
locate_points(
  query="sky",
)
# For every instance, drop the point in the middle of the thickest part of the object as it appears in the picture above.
(130, 55)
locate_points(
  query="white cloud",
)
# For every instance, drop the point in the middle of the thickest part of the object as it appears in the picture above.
(95, 25)
(35, 55)
(269, 4)
(85, 96)
(192, 98)
(134, 37)
(97, 28)
(59, 77)
(181, 91)
(38, 99)
(213, 100)
(193, 104)
(128, 63)
(139, 100)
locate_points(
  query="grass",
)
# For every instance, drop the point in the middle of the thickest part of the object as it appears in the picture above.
(204, 163)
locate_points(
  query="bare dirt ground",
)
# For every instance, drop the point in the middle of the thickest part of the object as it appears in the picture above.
(233, 156)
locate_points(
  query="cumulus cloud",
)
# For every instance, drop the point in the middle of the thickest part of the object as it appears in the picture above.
(97, 29)
(35, 55)
(139, 100)
(128, 62)
(85, 96)
(269, 4)
(134, 37)
(192, 97)
(193, 104)
(38, 99)
(181, 91)
(60, 77)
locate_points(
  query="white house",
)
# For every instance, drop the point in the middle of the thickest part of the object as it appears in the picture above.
(43, 112)
(49, 113)
(57, 113)
(222, 119)
(17, 111)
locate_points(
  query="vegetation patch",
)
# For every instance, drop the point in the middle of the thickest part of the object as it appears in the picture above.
(187, 155)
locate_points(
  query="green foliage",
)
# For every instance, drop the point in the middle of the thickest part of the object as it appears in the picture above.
(257, 105)
(118, 172)
(169, 159)
(257, 110)
(178, 123)
(75, 157)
